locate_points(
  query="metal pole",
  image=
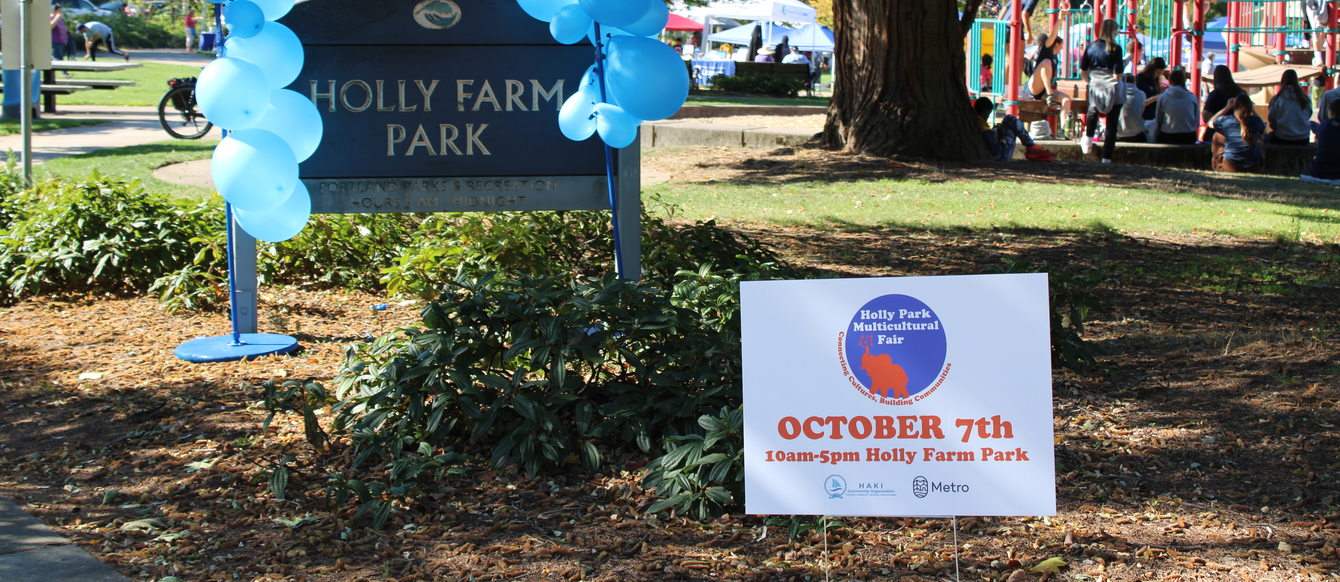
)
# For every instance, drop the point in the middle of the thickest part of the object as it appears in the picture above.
(26, 91)
(1174, 37)
(1016, 56)
(1131, 10)
(1232, 39)
(1281, 20)
(1331, 38)
(1197, 44)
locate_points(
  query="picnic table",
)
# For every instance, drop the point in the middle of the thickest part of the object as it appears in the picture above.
(51, 86)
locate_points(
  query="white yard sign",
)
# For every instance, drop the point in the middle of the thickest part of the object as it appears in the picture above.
(917, 396)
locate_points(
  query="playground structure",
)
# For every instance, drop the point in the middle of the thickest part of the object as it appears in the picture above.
(1255, 35)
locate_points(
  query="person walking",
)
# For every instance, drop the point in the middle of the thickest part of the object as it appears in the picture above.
(96, 33)
(189, 24)
(1102, 66)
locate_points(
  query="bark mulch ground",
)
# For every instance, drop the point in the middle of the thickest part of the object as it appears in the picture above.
(1204, 449)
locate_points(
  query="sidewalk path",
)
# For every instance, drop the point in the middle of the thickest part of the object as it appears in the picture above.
(29, 552)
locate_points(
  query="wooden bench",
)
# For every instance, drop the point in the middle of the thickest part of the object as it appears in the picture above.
(51, 90)
(107, 84)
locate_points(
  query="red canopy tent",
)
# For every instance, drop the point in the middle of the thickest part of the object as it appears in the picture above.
(678, 22)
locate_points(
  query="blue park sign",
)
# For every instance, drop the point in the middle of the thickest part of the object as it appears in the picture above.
(445, 105)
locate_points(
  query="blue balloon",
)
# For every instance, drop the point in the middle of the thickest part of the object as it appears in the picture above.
(282, 222)
(276, 50)
(274, 9)
(243, 18)
(254, 170)
(645, 77)
(576, 119)
(293, 118)
(569, 24)
(652, 23)
(616, 127)
(543, 10)
(617, 12)
(232, 93)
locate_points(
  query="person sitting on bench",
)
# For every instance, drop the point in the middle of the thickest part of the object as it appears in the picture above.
(1177, 112)
(1237, 145)
(1326, 164)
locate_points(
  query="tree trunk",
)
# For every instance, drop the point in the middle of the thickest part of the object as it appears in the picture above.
(899, 87)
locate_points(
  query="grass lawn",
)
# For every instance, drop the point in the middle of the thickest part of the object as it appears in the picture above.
(150, 84)
(134, 163)
(1248, 206)
(1261, 207)
(11, 126)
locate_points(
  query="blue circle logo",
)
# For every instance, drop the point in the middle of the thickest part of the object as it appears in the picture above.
(894, 348)
(835, 486)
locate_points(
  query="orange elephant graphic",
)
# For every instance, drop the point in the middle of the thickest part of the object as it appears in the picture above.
(885, 376)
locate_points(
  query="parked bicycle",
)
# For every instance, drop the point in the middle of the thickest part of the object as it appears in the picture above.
(178, 112)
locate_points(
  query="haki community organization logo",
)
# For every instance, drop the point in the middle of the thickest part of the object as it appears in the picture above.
(893, 350)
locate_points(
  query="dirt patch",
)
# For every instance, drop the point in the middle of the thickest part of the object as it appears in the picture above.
(1205, 450)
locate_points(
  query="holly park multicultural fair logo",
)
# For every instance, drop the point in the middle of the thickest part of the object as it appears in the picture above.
(893, 350)
(437, 14)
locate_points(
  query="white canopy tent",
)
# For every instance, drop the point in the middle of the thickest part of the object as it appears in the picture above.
(773, 11)
(812, 37)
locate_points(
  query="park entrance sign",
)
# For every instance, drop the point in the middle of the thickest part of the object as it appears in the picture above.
(449, 106)
(443, 105)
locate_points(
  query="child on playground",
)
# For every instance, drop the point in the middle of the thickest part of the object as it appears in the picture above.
(1237, 145)
(1177, 112)
(1101, 66)
(1000, 139)
(1290, 111)
(1326, 164)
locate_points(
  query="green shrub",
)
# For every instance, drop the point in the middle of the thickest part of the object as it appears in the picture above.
(578, 243)
(764, 84)
(701, 474)
(340, 250)
(97, 233)
(1072, 300)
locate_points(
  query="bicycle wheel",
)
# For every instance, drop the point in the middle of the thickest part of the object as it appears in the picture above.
(182, 124)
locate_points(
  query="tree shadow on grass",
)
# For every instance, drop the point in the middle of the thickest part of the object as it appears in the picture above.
(792, 166)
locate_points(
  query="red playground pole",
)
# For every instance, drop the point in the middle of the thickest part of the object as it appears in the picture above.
(1097, 18)
(1134, 9)
(1197, 45)
(1175, 39)
(1232, 39)
(1052, 15)
(1016, 56)
(1332, 13)
(1281, 20)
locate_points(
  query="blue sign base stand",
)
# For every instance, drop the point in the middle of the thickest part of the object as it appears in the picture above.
(222, 348)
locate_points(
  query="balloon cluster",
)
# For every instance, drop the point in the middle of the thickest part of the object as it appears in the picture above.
(270, 129)
(644, 79)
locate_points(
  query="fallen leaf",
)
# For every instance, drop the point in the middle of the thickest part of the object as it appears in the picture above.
(1049, 566)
